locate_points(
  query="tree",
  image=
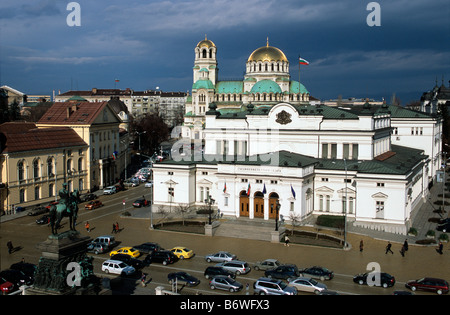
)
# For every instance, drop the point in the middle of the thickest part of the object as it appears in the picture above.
(295, 220)
(183, 209)
(150, 130)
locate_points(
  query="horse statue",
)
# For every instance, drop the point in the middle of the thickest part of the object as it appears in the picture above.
(67, 207)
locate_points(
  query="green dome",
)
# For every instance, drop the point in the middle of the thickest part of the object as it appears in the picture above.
(203, 84)
(295, 90)
(266, 86)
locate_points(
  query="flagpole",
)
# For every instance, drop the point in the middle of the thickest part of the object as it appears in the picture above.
(299, 85)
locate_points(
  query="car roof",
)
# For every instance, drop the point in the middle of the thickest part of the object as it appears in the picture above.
(114, 261)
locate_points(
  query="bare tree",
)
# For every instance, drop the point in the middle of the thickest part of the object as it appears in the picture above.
(163, 213)
(183, 209)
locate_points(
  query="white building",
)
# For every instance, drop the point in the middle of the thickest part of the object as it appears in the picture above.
(310, 159)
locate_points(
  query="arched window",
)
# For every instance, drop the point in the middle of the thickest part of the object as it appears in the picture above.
(36, 168)
(21, 171)
(69, 166)
(204, 53)
(50, 166)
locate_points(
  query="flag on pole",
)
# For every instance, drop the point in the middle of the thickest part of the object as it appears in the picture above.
(264, 189)
(303, 61)
(225, 187)
(293, 191)
(248, 190)
(116, 80)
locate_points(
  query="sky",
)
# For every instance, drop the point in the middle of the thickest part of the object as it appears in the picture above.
(149, 44)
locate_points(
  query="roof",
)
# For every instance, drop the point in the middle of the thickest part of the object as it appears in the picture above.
(267, 53)
(21, 137)
(203, 84)
(73, 113)
(266, 86)
(230, 87)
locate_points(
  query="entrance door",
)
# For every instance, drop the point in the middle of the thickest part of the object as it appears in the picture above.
(273, 198)
(258, 205)
(243, 204)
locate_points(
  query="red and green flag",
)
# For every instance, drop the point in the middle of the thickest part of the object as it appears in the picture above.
(303, 61)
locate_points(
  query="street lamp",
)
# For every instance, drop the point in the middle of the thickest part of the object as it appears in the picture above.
(209, 201)
(139, 135)
(277, 210)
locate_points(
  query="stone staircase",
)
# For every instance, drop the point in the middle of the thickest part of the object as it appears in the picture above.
(254, 229)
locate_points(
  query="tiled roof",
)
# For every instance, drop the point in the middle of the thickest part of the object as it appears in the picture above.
(73, 113)
(21, 137)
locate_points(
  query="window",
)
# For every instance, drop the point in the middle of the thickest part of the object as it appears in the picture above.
(204, 173)
(226, 202)
(50, 167)
(169, 173)
(275, 182)
(292, 206)
(244, 180)
(324, 179)
(321, 202)
(259, 181)
(21, 171)
(51, 188)
(171, 193)
(379, 206)
(36, 168)
(37, 193)
(380, 184)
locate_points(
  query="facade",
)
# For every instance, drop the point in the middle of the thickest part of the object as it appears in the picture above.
(36, 162)
(311, 159)
(99, 126)
(431, 100)
(169, 105)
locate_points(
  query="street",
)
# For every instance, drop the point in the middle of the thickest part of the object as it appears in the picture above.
(419, 261)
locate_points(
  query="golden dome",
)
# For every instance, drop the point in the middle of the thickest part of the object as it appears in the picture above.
(206, 43)
(267, 53)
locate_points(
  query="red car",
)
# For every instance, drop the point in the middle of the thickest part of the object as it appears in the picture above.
(439, 286)
(93, 204)
(5, 286)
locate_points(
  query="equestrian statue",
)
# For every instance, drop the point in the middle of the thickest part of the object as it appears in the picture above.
(67, 207)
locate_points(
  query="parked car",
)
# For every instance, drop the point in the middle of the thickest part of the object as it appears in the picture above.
(97, 248)
(308, 285)
(220, 257)
(117, 267)
(45, 219)
(385, 279)
(88, 197)
(267, 264)
(182, 277)
(440, 286)
(109, 190)
(273, 287)
(141, 202)
(444, 221)
(93, 205)
(107, 240)
(131, 183)
(38, 210)
(285, 272)
(27, 268)
(53, 203)
(236, 266)
(147, 248)
(444, 227)
(164, 257)
(6, 287)
(182, 252)
(214, 271)
(16, 277)
(130, 251)
(317, 272)
(149, 184)
(130, 261)
(225, 283)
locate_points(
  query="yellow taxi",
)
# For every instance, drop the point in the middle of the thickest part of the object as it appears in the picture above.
(182, 252)
(133, 252)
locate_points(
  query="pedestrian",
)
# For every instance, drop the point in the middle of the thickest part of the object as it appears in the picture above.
(117, 227)
(286, 241)
(143, 277)
(247, 289)
(361, 246)
(402, 251)
(440, 248)
(405, 244)
(10, 247)
(87, 226)
(388, 248)
(114, 228)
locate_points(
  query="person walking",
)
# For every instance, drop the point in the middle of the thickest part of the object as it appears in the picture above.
(405, 245)
(440, 248)
(286, 241)
(388, 248)
(143, 278)
(361, 246)
(10, 247)
(117, 227)
(87, 226)
(114, 229)
(403, 250)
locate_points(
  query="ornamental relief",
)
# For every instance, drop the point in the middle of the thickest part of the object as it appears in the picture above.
(283, 118)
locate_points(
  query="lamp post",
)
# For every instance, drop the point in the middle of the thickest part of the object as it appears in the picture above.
(209, 201)
(277, 210)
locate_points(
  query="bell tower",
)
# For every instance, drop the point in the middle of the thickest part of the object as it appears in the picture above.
(205, 65)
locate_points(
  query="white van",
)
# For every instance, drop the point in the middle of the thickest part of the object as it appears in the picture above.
(117, 267)
(106, 240)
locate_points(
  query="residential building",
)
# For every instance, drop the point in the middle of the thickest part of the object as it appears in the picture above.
(35, 162)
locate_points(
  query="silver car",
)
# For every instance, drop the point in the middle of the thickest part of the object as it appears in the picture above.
(225, 283)
(267, 264)
(220, 257)
(268, 286)
(236, 266)
(308, 285)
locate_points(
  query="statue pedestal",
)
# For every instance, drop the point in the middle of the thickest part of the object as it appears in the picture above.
(54, 276)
